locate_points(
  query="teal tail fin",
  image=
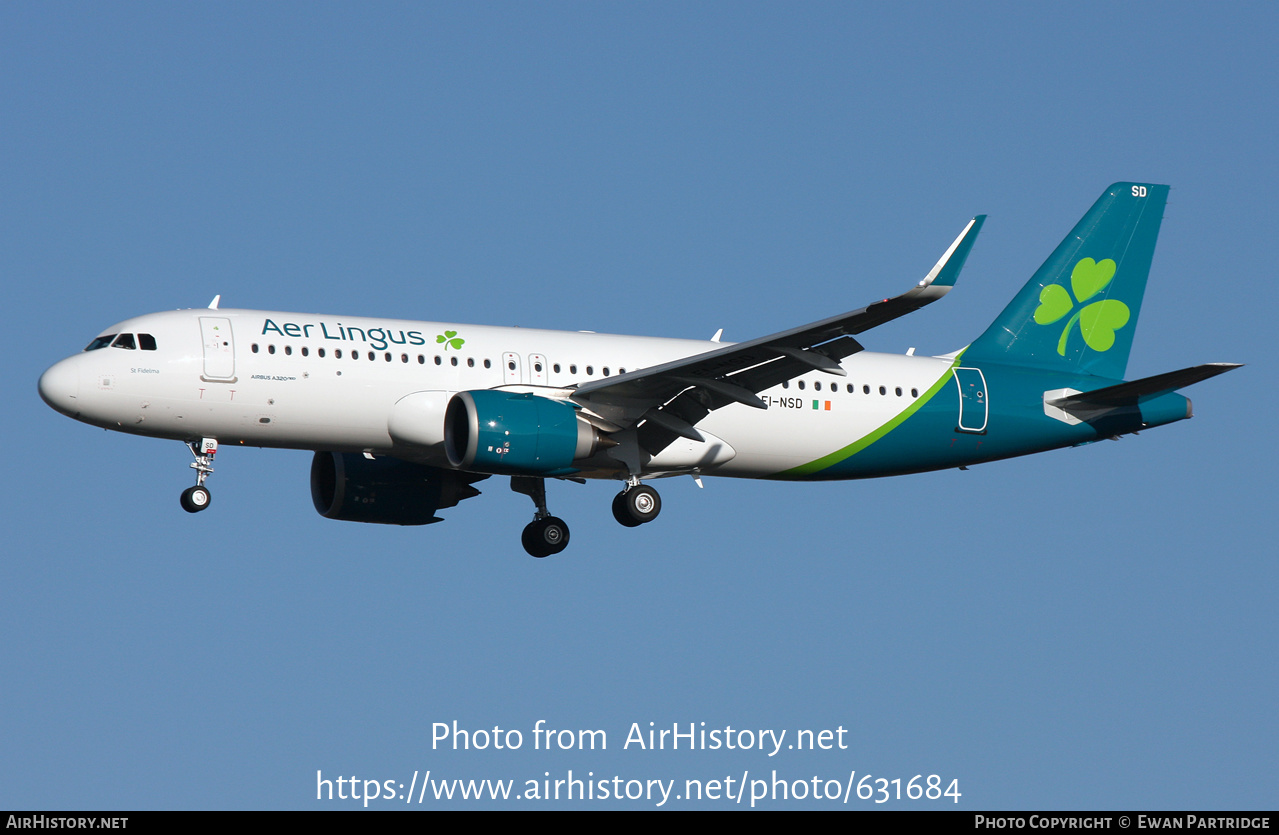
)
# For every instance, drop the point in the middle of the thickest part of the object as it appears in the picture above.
(1079, 310)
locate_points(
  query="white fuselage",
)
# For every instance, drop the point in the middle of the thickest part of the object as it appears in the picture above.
(304, 381)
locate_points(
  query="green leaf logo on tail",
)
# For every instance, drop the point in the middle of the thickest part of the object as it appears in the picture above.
(1097, 321)
(450, 340)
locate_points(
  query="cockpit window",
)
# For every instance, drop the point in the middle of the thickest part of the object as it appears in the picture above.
(146, 342)
(100, 342)
(124, 340)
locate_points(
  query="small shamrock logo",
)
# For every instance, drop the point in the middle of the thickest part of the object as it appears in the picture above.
(450, 340)
(1097, 321)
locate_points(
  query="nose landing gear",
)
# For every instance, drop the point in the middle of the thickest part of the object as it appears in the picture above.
(197, 498)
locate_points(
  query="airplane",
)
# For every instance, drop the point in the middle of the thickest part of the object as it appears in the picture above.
(404, 417)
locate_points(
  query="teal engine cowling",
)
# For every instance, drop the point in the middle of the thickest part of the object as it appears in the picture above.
(506, 433)
(352, 488)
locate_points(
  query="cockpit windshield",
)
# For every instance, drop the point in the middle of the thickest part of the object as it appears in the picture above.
(145, 341)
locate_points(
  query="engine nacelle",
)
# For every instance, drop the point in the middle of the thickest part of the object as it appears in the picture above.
(350, 487)
(515, 434)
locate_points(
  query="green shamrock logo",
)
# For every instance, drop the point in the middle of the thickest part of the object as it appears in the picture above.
(1097, 321)
(450, 341)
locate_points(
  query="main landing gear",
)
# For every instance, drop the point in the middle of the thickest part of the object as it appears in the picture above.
(197, 498)
(637, 504)
(546, 534)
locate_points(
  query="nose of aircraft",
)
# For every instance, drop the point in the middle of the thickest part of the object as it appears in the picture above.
(60, 386)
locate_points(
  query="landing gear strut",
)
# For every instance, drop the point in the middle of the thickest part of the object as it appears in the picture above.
(197, 498)
(637, 504)
(546, 534)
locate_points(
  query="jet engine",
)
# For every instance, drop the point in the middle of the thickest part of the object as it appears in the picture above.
(352, 488)
(516, 434)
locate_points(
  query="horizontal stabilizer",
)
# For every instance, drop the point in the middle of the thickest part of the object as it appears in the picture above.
(1136, 391)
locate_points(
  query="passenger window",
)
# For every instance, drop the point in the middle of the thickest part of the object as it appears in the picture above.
(124, 340)
(337, 353)
(100, 342)
(320, 351)
(288, 350)
(146, 342)
(453, 360)
(914, 392)
(785, 384)
(270, 349)
(801, 385)
(470, 362)
(817, 386)
(254, 347)
(488, 364)
(883, 390)
(306, 352)
(899, 391)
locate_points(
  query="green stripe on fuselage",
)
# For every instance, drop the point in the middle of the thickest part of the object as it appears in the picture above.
(857, 446)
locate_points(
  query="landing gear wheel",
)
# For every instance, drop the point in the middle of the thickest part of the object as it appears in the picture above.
(621, 514)
(543, 537)
(637, 505)
(195, 499)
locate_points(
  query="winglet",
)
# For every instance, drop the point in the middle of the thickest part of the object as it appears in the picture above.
(213, 305)
(945, 272)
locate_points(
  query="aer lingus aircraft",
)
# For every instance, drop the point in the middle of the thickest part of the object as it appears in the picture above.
(404, 416)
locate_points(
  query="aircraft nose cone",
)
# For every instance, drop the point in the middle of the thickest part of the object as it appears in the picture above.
(60, 387)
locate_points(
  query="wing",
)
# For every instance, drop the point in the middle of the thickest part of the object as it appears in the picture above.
(666, 401)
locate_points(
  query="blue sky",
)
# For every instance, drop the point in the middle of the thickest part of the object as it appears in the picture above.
(1090, 628)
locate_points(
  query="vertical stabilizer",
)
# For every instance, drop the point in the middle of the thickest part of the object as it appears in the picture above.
(1079, 311)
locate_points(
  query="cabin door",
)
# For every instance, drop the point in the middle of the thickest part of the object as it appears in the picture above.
(974, 400)
(219, 348)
